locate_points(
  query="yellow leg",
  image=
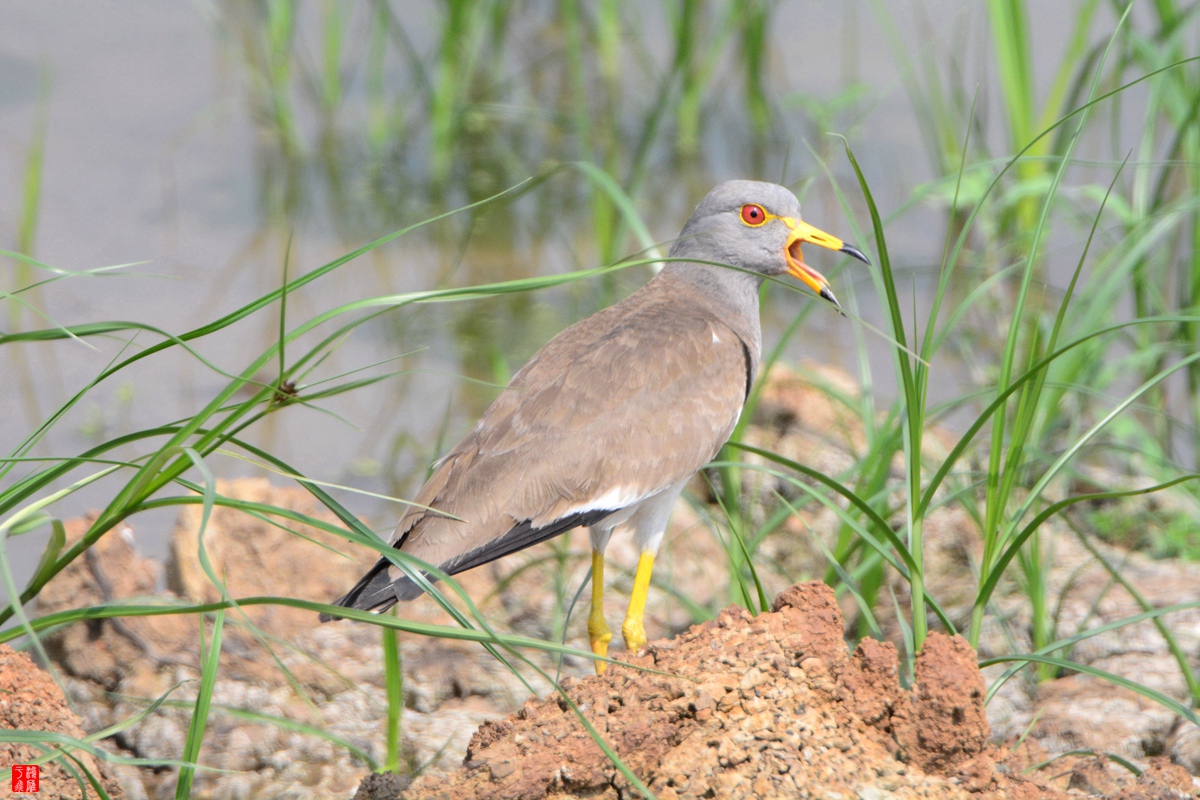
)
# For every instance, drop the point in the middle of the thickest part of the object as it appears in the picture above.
(598, 633)
(633, 627)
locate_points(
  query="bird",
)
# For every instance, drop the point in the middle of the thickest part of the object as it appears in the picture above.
(605, 424)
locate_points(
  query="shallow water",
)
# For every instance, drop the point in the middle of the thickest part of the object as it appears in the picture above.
(161, 152)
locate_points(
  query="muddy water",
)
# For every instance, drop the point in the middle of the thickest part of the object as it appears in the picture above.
(161, 153)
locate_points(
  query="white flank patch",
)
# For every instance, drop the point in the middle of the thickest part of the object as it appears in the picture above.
(613, 499)
(716, 339)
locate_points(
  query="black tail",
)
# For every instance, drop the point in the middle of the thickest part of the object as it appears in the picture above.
(377, 591)
(373, 592)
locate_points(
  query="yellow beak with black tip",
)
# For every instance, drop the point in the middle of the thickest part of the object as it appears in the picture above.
(803, 232)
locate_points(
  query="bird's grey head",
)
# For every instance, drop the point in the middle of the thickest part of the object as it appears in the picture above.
(756, 226)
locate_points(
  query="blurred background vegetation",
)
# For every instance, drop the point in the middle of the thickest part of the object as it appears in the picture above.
(1030, 183)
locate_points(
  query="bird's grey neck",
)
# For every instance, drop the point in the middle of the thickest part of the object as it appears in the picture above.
(731, 294)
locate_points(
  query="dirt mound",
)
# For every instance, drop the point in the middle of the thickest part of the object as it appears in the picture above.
(799, 416)
(31, 701)
(772, 706)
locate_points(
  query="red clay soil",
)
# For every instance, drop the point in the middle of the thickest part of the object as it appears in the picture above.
(758, 707)
(31, 701)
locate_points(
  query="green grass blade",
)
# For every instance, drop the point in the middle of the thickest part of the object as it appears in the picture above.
(210, 664)
(393, 681)
(1169, 703)
(914, 411)
(1013, 547)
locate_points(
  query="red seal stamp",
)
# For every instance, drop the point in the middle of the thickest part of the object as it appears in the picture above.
(26, 778)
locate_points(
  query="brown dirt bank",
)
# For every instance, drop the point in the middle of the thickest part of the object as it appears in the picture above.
(766, 707)
(30, 700)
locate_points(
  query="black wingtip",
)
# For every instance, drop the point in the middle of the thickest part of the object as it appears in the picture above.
(375, 591)
(851, 250)
(379, 608)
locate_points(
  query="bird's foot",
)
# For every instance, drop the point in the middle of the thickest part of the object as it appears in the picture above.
(599, 636)
(635, 634)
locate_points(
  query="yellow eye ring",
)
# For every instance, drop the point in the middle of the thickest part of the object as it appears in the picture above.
(754, 215)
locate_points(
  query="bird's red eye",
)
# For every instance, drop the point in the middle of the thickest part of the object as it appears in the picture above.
(753, 215)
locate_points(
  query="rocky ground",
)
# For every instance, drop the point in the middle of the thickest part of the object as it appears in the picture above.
(278, 662)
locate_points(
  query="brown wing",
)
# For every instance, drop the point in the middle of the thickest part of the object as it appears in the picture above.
(615, 408)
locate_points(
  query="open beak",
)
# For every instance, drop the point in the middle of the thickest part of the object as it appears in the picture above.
(803, 232)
